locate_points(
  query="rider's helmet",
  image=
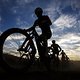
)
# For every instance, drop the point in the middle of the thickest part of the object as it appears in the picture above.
(38, 11)
(53, 41)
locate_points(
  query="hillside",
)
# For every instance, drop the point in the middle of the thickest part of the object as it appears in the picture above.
(38, 66)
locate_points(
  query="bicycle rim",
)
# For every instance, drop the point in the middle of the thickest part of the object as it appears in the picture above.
(10, 54)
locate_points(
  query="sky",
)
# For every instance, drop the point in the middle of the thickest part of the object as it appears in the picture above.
(64, 14)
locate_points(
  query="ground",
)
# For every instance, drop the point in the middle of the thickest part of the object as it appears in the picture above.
(70, 72)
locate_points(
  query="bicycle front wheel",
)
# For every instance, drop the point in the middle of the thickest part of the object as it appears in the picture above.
(11, 41)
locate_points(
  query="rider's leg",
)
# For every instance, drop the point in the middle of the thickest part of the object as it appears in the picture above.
(47, 59)
(44, 58)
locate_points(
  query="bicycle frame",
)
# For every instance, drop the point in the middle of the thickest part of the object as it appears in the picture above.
(30, 40)
(32, 35)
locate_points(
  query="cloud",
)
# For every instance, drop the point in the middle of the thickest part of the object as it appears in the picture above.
(52, 10)
(23, 2)
(65, 21)
(0, 19)
(70, 42)
(14, 9)
(20, 22)
(75, 4)
(70, 38)
(52, 13)
(28, 1)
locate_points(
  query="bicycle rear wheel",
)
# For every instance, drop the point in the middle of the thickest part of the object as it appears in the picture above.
(12, 59)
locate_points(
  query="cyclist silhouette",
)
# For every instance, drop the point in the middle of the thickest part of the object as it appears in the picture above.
(55, 48)
(44, 23)
(64, 56)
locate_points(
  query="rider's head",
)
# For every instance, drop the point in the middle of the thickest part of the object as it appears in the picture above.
(53, 41)
(38, 12)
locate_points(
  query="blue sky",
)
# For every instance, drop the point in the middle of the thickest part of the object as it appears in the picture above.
(64, 14)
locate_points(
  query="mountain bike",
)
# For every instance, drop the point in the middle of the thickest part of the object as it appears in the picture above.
(18, 48)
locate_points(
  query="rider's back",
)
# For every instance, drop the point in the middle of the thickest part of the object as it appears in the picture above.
(44, 23)
(55, 47)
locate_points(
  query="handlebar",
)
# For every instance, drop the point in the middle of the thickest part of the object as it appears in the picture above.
(31, 31)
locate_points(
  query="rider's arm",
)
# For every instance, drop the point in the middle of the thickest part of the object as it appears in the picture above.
(52, 47)
(33, 27)
(59, 48)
